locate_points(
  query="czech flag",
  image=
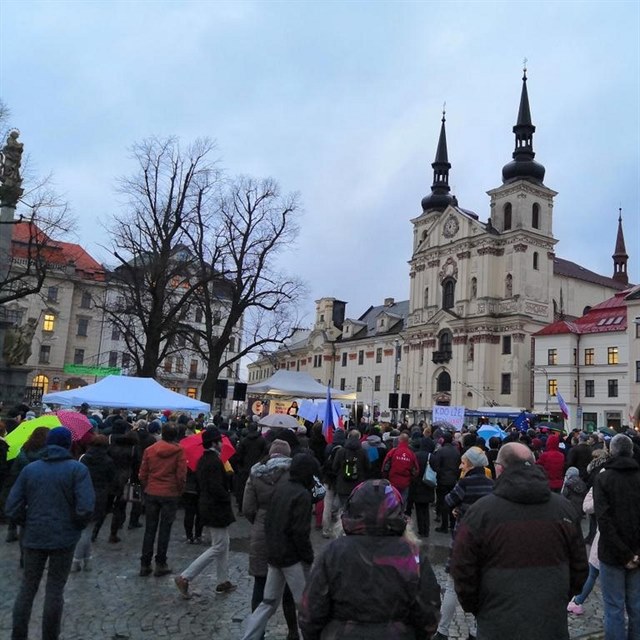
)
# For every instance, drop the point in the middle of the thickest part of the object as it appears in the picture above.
(563, 406)
(329, 423)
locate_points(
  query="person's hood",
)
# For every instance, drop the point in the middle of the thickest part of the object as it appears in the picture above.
(53, 453)
(303, 468)
(164, 449)
(272, 470)
(339, 436)
(523, 482)
(552, 444)
(352, 444)
(374, 508)
(374, 440)
(622, 463)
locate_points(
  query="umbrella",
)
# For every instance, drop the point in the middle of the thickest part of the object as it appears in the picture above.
(607, 431)
(487, 431)
(193, 449)
(443, 424)
(77, 423)
(21, 433)
(279, 420)
(552, 426)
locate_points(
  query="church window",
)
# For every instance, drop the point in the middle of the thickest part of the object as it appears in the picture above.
(535, 216)
(507, 216)
(444, 382)
(535, 260)
(508, 286)
(444, 342)
(474, 288)
(426, 297)
(448, 293)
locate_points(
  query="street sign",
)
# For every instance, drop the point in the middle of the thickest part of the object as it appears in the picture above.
(86, 370)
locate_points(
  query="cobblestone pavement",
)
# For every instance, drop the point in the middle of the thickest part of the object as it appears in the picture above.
(113, 603)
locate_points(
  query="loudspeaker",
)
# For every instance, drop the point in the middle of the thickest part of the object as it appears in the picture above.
(393, 401)
(222, 386)
(240, 391)
(405, 399)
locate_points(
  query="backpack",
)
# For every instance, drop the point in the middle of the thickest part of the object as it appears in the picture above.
(350, 467)
(328, 463)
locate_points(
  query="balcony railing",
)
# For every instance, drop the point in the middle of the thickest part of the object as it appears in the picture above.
(440, 357)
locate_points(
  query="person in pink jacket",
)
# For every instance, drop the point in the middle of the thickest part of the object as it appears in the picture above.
(400, 466)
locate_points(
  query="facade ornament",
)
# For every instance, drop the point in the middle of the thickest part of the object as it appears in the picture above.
(10, 179)
(17, 343)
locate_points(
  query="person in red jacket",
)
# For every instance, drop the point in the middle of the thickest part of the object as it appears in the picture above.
(163, 475)
(400, 466)
(552, 461)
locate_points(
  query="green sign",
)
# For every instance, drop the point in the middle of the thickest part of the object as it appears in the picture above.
(86, 370)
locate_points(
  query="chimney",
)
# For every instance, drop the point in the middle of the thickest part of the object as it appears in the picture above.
(389, 302)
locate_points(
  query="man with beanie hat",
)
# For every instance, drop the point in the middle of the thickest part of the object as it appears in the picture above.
(287, 533)
(53, 500)
(616, 495)
(163, 475)
(216, 515)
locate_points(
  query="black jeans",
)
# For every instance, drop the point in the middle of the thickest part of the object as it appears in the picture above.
(192, 524)
(160, 514)
(422, 517)
(57, 574)
(447, 520)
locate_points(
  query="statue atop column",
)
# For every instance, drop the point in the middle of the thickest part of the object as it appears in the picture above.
(17, 343)
(10, 178)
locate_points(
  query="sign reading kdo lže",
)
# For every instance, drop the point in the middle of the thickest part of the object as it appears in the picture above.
(453, 415)
(86, 370)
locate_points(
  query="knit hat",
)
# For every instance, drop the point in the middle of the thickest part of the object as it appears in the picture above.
(60, 436)
(209, 436)
(476, 457)
(279, 448)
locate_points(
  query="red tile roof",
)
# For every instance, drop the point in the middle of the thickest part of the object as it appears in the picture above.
(58, 253)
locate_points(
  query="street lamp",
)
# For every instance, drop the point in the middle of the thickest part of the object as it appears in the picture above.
(395, 374)
(373, 388)
(546, 392)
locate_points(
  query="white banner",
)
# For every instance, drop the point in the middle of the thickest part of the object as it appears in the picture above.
(454, 415)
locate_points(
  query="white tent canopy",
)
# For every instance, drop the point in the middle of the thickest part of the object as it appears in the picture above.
(295, 384)
(124, 392)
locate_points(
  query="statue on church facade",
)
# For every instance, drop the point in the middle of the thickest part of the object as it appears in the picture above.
(17, 343)
(10, 178)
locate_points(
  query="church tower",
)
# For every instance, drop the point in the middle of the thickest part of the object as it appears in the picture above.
(620, 256)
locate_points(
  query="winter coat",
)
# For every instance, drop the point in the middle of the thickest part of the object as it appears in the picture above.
(421, 492)
(252, 448)
(18, 464)
(331, 450)
(102, 471)
(287, 523)
(402, 466)
(589, 508)
(163, 471)
(520, 542)
(468, 490)
(54, 500)
(372, 583)
(574, 489)
(214, 503)
(616, 495)
(122, 450)
(376, 453)
(446, 462)
(552, 461)
(579, 457)
(352, 450)
(263, 480)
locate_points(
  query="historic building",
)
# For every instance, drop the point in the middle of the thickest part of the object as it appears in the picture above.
(478, 292)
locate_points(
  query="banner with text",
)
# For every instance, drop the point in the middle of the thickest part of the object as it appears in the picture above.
(452, 415)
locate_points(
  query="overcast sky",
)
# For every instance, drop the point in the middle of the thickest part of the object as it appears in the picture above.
(341, 102)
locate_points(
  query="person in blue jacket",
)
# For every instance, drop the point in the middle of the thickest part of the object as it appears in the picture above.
(53, 500)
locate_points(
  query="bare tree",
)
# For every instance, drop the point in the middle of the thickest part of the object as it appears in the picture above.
(250, 301)
(168, 204)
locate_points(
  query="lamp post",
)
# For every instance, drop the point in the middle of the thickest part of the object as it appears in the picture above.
(395, 374)
(372, 392)
(546, 389)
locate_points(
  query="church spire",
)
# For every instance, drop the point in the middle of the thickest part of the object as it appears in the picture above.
(440, 198)
(620, 256)
(523, 165)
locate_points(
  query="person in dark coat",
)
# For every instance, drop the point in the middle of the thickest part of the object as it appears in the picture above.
(350, 465)
(144, 440)
(216, 514)
(374, 582)
(287, 529)
(420, 493)
(445, 462)
(102, 471)
(53, 499)
(520, 542)
(250, 450)
(616, 494)
(329, 477)
(579, 456)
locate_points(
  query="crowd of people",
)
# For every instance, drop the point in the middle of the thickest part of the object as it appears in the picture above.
(514, 509)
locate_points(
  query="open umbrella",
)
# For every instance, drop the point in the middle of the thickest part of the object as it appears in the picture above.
(487, 431)
(193, 449)
(551, 426)
(444, 425)
(77, 423)
(22, 432)
(281, 420)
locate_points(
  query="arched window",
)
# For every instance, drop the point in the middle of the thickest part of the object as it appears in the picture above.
(508, 286)
(535, 216)
(474, 288)
(426, 297)
(41, 383)
(444, 382)
(535, 260)
(507, 216)
(448, 293)
(444, 342)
